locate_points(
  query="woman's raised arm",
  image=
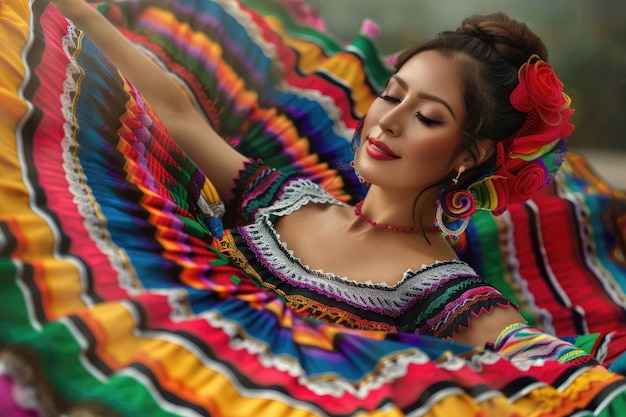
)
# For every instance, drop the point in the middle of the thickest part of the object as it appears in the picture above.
(189, 128)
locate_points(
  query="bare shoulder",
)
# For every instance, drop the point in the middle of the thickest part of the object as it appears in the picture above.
(487, 327)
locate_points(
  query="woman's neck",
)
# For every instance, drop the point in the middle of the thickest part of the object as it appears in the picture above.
(397, 210)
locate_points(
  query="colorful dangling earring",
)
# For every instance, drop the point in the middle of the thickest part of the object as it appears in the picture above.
(356, 141)
(353, 164)
(445, 229)
(456, 203)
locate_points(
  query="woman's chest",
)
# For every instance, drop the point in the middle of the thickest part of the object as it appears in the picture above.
(319, 237)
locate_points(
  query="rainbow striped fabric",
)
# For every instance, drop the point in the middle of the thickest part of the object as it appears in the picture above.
(116, 303)
(560, 256)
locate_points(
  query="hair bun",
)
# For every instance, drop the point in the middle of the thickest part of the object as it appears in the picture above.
(474, 30)
(511, 38)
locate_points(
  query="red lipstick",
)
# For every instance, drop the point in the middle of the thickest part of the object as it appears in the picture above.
(379, 150)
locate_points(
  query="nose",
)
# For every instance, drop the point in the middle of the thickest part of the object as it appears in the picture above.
(389, 122)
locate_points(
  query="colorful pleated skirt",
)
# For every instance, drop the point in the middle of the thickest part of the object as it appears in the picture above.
(116, 302)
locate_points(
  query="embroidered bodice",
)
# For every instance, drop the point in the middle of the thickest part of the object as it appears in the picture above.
(435, 299)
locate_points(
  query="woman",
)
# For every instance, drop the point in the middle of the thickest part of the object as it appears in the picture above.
(418, 137)
(216, 344)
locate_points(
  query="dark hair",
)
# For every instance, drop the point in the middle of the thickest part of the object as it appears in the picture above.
(490, 49)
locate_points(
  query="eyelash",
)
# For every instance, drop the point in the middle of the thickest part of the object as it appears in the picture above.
(389, 98)
(426, 120)
(420, 116)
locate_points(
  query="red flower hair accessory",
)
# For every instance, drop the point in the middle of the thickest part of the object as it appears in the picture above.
(528, 160)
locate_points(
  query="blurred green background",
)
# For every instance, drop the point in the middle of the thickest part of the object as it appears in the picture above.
(586, 40)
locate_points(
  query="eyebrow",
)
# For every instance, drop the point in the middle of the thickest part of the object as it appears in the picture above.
(424, 95)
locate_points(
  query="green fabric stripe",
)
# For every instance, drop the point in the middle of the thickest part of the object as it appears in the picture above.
(13, 311)
(329, 44)
(586, 342)
(378, 71)
(494, 270)
(59, 353)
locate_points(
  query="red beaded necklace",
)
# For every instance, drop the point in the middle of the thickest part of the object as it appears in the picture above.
(359, 213)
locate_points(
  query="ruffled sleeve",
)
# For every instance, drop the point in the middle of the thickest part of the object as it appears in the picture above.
(457, 300)
(257, 186)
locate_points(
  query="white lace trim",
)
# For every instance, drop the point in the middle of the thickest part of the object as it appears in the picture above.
(335, 385)
(85, 203)
(295, 195)
(383, 298)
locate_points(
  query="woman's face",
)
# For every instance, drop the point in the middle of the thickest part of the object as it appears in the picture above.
(412, 132)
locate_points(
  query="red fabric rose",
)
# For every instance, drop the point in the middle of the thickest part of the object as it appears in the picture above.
(540, 89)
(526, 182)
(527, 160)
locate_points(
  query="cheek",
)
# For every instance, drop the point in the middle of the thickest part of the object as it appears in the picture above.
(366, 126)
(432, 159)
(435, 151)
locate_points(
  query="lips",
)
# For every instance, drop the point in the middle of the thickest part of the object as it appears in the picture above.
(380, 151)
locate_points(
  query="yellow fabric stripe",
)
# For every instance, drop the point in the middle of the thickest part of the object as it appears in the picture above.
(312, 59)
(59, 280)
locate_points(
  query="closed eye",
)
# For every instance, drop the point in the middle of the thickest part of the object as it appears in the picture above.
(388, 98)
(427, 121)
